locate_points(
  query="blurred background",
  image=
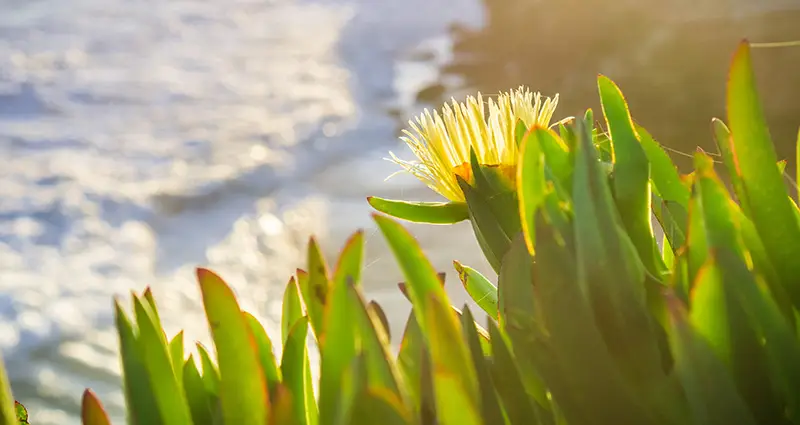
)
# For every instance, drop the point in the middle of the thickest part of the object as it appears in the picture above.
(140, 139)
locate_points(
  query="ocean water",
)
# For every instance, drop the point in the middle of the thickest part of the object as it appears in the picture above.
(141, 139)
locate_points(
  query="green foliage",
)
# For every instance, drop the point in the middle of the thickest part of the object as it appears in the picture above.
(591, 320)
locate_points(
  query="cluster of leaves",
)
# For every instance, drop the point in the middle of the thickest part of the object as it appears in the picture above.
(590, 321)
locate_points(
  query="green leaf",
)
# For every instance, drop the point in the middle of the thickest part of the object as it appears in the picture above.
(454, 377)
(631, 175)
(283, 407)
(92, 411)
(608, 271)
(378, 407)
(490, 405)
(422, 212)
(164, 383)
(482, 291)
(292, 308)
(377, 313)
(151, 301)
(780, 344)
(519, 314)
(663, 172)
(491, 237)
(409, 360)
(242, 387)
(422, 281)
(339, 344)
(294, 367)
(722, 136)
(210, 371)
(176, 354)
(265, 354)
(22, 413)
(720, 319)
(768, 201)
(139, 397)
(8, 414)
(506, 376)
(531, 187)
(572, 357)
(314, 288)
(382, 372)
(710, 389)
(200, 399)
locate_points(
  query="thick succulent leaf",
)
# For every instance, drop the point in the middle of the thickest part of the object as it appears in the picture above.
(531, 186)
(381, 369)
(709, 387)
(519, 315)
(422, 281)
(454, 378)
(519, 132)
(769, 204)
(584, 379)
(242, 386)
(176, 355)
(339, 344)
(491, 236)
(377, 406)
(664, 174)
(314, 288)
(139, 398)
(282, 412)
(377, 313)
(210, 370)
(165, 387)
(779, 341)
(720, 320)
(22, 413)
(610, 272)
(490, 405)
(294, 367)
(722, 137)
(292, 308)
(422, 212)
(151, 301)
(631, 175)
(507, 377)
(265, 354)
(92, 411)
(200, 399)
(410, 358)
(8, 415)
(482, 291)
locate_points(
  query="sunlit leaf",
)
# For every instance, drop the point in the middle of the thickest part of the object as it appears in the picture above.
(242, 386)
(710, 389)
(7, 411)
(482, 291)
(490, 405)
(139, 397)
(422, 212)
(339, 344)
(200, 399)
(92, 411)
(292, 308)
(294, 365)
(265, 354)
(164, 384)
(754, 154)
(314, 288)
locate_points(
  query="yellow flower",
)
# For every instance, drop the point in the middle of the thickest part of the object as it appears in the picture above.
(442, 141)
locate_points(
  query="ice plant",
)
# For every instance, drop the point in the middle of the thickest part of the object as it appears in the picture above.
(442, 141)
